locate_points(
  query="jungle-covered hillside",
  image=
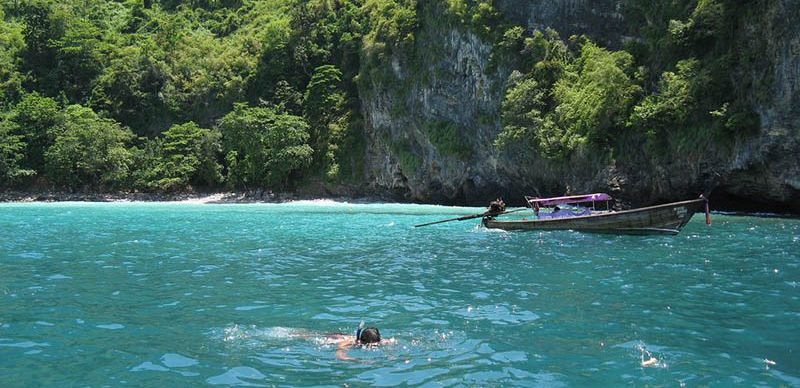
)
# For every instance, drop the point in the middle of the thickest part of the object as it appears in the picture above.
(451, 101)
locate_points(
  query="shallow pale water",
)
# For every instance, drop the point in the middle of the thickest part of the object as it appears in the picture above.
(178, 294)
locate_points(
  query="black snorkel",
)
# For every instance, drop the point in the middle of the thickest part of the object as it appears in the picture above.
(359, 329)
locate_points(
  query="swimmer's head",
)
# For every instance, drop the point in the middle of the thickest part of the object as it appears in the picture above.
(369, 335)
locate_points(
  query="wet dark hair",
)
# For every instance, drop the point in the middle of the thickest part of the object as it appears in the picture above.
(369, 335)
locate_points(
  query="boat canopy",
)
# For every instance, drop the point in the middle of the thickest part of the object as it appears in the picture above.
(536, 202)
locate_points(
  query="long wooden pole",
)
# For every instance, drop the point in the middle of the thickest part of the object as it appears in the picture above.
(462, 218)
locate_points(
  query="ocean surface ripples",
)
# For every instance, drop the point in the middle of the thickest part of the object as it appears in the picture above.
(189, 294)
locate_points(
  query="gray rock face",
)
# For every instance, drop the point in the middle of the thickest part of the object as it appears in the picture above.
(766, 170)
(455, 89)
(454, 82)
(597, 18)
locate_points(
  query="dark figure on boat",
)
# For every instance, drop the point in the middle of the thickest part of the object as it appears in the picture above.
(496, 207)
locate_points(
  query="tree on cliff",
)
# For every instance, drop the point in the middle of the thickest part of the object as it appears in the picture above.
(595, 95)
(565, 103)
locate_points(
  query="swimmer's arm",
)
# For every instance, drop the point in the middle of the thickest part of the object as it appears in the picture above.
(341, 351)
(389, 341)
(302, 333)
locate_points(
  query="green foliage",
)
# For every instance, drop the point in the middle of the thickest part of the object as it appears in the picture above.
(12, 154)
(672, 106)
(323, 97)
(263, 147)
(325, 111)
(42, 29)
(187, 154)
(207, 75)
(88, 151)
(325, 32)
(447, 138)
(526, 124)
(151, 65)
(565, 103)
(79, 58)
(147, 164)
(548, 54)
(63, 50)
(702, 27)
(273, 61)
(695, 47)
(693, 70)
(651, 20)
(561, 103)
(287, 148)
(11, 78)
(348, 136)
(408, 160)
(131, 89)
(512, 39)
(480, 15)
(392, 22)
(391, 28)
(596, 93)
(36, 119)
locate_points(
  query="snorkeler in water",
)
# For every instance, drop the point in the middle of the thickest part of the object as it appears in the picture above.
(365, 337)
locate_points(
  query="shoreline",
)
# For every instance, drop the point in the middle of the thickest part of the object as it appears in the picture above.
(254, 197)
(203, 198)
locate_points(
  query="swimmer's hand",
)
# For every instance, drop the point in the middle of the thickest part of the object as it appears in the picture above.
(652, 361)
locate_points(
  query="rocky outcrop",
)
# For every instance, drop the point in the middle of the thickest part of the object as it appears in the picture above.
(430, 132)
(765, 170)
(430, 123)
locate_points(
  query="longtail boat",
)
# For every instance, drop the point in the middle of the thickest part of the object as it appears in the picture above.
(582, 213)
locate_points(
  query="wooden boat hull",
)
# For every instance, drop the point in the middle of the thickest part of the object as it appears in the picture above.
(661, 219)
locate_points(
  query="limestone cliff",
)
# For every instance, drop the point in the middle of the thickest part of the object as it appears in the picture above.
(767, 168)
(431, 119)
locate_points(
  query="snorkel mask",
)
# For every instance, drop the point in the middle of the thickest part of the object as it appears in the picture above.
(358, 331)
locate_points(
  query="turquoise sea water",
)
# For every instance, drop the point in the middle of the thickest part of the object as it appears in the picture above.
(181, 294)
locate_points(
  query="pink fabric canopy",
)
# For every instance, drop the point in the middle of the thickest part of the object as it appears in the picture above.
(569, 199)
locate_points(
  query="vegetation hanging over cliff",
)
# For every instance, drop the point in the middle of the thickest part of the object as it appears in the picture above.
(672, 87)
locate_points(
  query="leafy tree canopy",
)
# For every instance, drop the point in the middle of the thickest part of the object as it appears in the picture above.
(264, 147)
(88, 151)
